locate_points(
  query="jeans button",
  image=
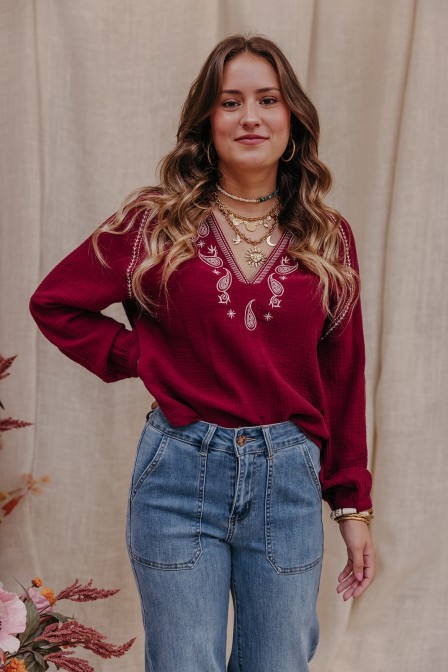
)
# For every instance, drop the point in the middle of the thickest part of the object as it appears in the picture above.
(241, 441)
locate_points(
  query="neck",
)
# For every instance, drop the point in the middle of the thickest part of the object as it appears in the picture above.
(246, 184)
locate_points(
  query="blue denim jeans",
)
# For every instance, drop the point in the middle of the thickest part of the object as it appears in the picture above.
(212, 509)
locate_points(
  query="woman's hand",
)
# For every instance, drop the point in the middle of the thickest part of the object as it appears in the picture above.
(359, 571)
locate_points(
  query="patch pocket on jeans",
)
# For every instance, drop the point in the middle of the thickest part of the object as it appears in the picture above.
(164, 515)
(294, 531)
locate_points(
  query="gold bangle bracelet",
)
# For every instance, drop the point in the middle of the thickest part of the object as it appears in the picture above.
(354, 516)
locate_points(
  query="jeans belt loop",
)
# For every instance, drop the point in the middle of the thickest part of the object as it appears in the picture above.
(207, 438)
(268, 440)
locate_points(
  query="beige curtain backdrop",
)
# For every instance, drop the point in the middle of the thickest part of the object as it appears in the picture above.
(90, 96)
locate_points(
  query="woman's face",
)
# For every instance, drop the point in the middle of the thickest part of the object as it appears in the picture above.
(250, 122)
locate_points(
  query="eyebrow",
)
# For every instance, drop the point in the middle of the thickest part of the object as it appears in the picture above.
(265, 90)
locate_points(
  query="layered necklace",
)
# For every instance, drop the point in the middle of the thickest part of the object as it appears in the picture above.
(254, 255)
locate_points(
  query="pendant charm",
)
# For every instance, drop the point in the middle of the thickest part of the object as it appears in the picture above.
(255, 257)
(269, 242)
(237, 240)
(251, 226)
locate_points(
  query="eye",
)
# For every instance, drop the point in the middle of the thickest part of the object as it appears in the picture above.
(230, 104)
(268, 101)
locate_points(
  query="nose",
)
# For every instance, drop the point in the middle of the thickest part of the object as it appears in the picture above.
(250, 114)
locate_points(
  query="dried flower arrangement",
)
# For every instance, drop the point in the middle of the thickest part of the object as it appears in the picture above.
(10, 498)
(32, 635)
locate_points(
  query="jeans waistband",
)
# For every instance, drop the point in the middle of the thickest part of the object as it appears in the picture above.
(240, 440)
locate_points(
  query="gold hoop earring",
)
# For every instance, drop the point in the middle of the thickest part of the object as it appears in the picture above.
(290, 158)
(209, 147)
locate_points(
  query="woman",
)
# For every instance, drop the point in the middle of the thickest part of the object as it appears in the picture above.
(242, 290)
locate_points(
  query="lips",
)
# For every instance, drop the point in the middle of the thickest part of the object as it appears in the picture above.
(250, 139)
(251, 136)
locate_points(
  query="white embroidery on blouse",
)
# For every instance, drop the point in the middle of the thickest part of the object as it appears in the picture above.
(335, 322)
(276, 287)
(223, 285)
(135, 252)
(215, 261)
(250, 319)
(212, 258)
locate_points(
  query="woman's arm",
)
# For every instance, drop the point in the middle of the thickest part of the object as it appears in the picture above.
(67, 307)
(346, 480)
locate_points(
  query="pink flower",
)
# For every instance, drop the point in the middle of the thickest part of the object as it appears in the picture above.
(41, 602)
(12, 621)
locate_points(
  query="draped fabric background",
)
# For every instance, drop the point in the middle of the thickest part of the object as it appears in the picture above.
(91, 93)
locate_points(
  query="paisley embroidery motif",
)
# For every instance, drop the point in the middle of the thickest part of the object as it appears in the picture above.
(284, 268)
(203, 230)
(250, 319)
(212, 260)
(223, 285)
(275, 286)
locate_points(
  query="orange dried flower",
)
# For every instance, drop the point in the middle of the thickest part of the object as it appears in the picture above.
(15, 665)
(36, 582)
(48, 593)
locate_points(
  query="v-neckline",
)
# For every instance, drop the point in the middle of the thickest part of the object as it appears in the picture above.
(231, 259)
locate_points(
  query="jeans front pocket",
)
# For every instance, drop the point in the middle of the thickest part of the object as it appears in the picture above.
(165, 503)
(294, 531)
(149, 451)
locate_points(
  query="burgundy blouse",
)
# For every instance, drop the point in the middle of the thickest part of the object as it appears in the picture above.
(224, 349)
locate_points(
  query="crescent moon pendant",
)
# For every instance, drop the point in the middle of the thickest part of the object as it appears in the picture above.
(269, 242)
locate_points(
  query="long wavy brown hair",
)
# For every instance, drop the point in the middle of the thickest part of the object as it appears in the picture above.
(182, 200)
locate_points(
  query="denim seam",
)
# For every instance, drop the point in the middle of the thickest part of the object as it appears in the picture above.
(237, 626)
(168, 568)
(175, 435)
(138, 451)
(251, 499)
(232, 517)
(145, 619)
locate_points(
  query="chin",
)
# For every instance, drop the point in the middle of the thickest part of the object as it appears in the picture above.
(252, 161)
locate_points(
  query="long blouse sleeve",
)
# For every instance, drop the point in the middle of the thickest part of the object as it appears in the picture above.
(346, 481)
(67, 306)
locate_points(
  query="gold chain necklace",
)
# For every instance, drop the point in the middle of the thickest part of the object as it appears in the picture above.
(251, 223)
(254, 257)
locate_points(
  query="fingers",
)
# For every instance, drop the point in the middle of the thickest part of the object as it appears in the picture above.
(349, 582)
(346, 571)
